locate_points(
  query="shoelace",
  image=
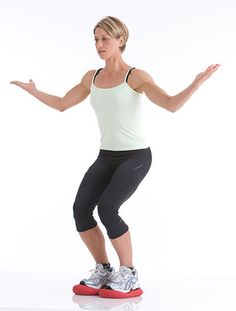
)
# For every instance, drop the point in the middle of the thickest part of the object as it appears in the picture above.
(119, 277)
(96, 273)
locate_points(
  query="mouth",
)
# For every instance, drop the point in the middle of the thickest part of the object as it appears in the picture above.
(101, 52)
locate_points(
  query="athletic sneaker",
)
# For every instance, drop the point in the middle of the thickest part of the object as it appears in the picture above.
(99, 278)
(124, 284)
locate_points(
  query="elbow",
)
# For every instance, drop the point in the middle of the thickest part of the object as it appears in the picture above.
(61, 109)
(62, 105)
(170, 106)
(172, 109)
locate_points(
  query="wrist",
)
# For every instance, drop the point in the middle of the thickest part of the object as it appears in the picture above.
(32, 91)
(195, 85)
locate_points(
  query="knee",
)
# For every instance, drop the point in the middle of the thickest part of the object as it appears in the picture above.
(110, 218)
(105, 212)
(84, 219)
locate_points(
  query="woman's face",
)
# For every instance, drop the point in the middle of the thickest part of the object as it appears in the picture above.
(106, 45)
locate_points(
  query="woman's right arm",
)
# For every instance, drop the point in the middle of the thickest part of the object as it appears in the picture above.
(75, 96)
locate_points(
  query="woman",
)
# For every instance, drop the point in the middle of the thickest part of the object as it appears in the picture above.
(124, 157)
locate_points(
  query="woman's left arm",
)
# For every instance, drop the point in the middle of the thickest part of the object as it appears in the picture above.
(173, 103)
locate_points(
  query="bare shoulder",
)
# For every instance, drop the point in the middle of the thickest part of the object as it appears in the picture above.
(87, 78)
(138, 78)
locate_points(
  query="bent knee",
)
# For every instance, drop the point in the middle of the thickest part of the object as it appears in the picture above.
(106, 212)
(111, 220)
(84, 219)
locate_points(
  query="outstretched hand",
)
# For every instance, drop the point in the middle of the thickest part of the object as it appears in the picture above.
(25, 86)
(203, 76)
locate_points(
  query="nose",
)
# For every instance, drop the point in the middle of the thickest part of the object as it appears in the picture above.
(99, 44)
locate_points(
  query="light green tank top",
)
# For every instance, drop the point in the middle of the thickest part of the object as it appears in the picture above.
(119, 115)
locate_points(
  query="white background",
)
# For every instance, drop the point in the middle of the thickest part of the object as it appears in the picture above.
(182, 217)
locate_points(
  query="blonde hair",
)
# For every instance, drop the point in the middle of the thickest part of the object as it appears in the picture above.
(115, 28)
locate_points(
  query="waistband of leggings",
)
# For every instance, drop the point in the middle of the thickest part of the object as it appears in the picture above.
(121, 152)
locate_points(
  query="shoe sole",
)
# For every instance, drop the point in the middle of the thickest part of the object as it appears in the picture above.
(110, 293)
(85, 290)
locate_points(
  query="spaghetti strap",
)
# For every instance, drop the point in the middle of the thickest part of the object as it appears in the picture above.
(128, 73)
(95, 74)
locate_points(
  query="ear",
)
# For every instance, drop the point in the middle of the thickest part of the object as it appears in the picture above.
(122, 41)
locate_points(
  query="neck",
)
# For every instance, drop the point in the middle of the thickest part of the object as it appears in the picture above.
(114, 64)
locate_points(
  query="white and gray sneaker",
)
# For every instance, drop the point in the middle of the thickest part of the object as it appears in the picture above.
(100, 277)
(123, 284)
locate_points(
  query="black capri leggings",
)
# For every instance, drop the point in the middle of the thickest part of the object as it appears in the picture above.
(108, 183)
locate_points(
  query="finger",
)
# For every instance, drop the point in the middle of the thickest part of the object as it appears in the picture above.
(211, 67)
(217, 66)
(214, 66)
(15, 82)
(18, 83)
